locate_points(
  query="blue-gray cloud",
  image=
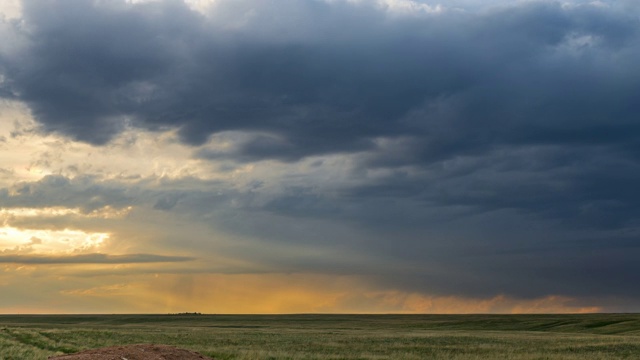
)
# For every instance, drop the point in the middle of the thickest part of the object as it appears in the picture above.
(459, 83)
(83, 192)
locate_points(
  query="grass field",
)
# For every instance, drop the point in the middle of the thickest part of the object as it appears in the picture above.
(322, 337)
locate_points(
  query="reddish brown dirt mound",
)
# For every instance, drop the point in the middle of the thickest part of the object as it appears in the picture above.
(135, 352)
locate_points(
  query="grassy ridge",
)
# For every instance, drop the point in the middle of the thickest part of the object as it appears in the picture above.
(322, 337)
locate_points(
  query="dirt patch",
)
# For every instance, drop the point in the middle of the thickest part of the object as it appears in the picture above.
(135, 352)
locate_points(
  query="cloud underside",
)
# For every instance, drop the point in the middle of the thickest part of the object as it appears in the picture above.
(91, 259)
(453, 83)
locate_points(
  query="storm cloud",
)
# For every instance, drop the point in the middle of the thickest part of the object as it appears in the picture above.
(326, 77)
(467, 146)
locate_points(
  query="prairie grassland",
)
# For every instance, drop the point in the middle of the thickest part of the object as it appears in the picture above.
(323, 337)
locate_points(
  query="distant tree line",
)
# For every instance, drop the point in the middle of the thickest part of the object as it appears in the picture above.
(186, 313)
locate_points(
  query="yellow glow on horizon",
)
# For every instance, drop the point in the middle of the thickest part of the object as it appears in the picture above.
(300, 293)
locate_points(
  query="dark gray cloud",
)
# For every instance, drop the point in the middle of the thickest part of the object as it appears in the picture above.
(460, 83)
(580, 186)
(91, 259)
(84, 192)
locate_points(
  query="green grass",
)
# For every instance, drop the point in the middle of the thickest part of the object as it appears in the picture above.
(323, 337)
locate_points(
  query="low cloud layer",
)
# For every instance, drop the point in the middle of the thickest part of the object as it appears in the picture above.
(457, 149)
(91, 259)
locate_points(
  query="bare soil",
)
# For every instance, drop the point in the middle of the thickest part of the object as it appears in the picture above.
(135, 352)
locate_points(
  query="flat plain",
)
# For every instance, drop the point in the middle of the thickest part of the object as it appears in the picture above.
(323, 337)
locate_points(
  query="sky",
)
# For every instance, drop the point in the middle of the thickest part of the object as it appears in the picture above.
(319, 156)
